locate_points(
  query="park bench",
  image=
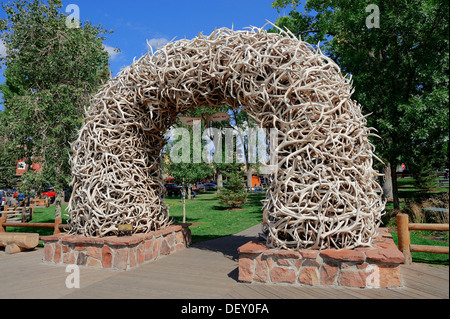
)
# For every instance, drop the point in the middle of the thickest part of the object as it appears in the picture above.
(17, 242)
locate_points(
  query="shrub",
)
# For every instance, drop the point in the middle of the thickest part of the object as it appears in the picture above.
(235, 195)
(414, 209)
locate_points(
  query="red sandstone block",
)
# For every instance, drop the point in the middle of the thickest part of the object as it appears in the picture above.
(165, 248)
(120, 260)
(107, 256)
(390, 276)
(179, 237)
(123, 241)
(385, 255)
(309, 275)
(364, 265)
(94, 251)
(354, 278)
(170, 238)
(93, 262)
(284, 262)
(149, 244)
(282, 275)
(57, 255)
(148, 254)
(156, 246)
(328, 273)
(168, 230)
(140, 254)
(309, 253)
(261, 271)
(51, 238)
(66, 248)
(286, 253)
(252, 248)
(269, 252)
(298, 263)
(389, 245)
(48, 252)
(246, 265)
(79, 247)
(80, 240)
(344, 255)
(69, 258)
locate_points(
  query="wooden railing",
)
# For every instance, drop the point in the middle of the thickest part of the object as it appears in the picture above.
(404, 238)
(57, 225)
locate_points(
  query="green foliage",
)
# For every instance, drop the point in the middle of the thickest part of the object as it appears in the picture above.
(51, 73)
(399, 70)
(424, 175)
(32, 180)
(186, 171)
(235, 194)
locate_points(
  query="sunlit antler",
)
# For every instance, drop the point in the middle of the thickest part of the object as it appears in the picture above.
(324, 191)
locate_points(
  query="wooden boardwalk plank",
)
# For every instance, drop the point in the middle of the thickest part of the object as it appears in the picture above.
(204, 271)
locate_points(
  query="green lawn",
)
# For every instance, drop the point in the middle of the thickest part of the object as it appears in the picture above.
(215, 220)
(407, 191)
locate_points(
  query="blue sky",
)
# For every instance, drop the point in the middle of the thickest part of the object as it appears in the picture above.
(135, 22)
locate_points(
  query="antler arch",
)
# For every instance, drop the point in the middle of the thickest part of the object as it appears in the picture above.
(324, 191)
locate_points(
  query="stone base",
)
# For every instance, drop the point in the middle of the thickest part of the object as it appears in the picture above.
(117, 253)
(377, 266)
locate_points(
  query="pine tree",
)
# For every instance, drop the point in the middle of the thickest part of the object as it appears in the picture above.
(234, 195)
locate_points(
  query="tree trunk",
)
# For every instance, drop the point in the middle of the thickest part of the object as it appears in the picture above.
(59, 197)
(183, 198)
(249, 176)
(219, 182)
(189, 191)
(394, 185)
(387, 184)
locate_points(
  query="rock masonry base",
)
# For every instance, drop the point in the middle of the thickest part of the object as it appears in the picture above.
(377, 266)
(113, 252)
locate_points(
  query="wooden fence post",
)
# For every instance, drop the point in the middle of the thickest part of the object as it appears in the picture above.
(404, 240)
(56, 230)
(3, 218)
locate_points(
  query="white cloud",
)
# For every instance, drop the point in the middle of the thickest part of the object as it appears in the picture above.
(157, 42)
(111, 51)
(2, 49)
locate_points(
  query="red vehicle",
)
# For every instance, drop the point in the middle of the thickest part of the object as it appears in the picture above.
(50, 193)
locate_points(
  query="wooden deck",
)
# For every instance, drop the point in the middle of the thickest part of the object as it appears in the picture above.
(206, 270)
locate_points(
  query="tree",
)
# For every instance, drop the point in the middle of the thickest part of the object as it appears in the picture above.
(399, 69)
(180, 163)
(52, 70)
(235, 195)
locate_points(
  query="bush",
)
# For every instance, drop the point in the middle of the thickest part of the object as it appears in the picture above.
(235, 195)
(414, 209)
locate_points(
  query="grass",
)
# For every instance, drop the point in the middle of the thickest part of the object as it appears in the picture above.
(41, 215)
(408, 192)
(426, 238)
(215, 219)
